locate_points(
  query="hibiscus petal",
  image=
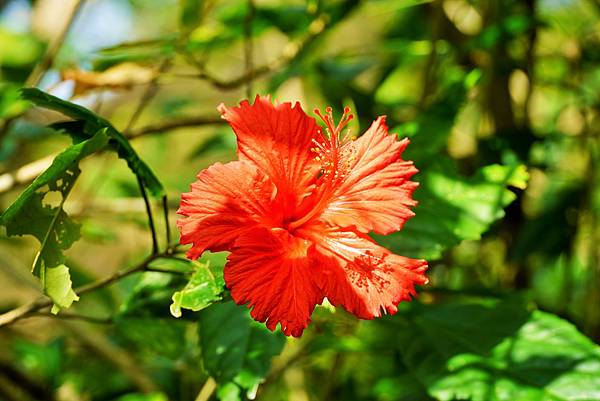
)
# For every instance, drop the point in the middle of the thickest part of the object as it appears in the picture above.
(277, 139)
(364, 278)
(226, 201)
(376, 195)
(273, 272)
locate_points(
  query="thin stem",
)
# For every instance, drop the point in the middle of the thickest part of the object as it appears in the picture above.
(23, 311)
(116, 277)
(148, 95)
(173, 125)
(149, 213)
(156, 270)
(209, 387)
(291, 52)
(73, 316)
(44, 302)
(165, 205)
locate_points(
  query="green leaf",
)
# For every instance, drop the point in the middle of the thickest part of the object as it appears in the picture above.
(58, 285)
(18, 50)
(497, 350)
(454, 208)
(11, 103)
(205, 287)
(229, 392)
(190, 14)
(94, 123)
(143, 397)
(235, 348)
(38, 211)
(150, 295)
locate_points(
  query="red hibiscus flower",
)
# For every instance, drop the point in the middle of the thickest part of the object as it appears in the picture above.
(295, 211)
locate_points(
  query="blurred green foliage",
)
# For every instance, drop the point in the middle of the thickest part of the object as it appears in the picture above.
(500, 99)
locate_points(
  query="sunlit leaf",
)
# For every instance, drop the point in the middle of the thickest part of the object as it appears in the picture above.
(59, 287)
(39, 212)
(453, 208)
(497, 350)
(205, 287)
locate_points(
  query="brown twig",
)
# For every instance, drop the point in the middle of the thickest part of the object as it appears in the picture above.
(44, 302)
(209, 387)
(291, 51)
(173, 125)
(72, 316)
(149, 94)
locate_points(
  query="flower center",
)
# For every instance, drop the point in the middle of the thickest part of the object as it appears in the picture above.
(334, 150)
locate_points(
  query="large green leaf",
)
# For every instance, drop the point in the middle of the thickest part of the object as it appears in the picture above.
(39, 212)
(496, 350)
(453, 208)
(205, 287)
(236, 351)
(94, 123)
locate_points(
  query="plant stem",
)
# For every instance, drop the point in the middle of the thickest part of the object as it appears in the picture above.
(165, 205)
(292, 51)
(207, 390)
(73, 316)
(150, 217)
(44, 302)
(147, 96)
